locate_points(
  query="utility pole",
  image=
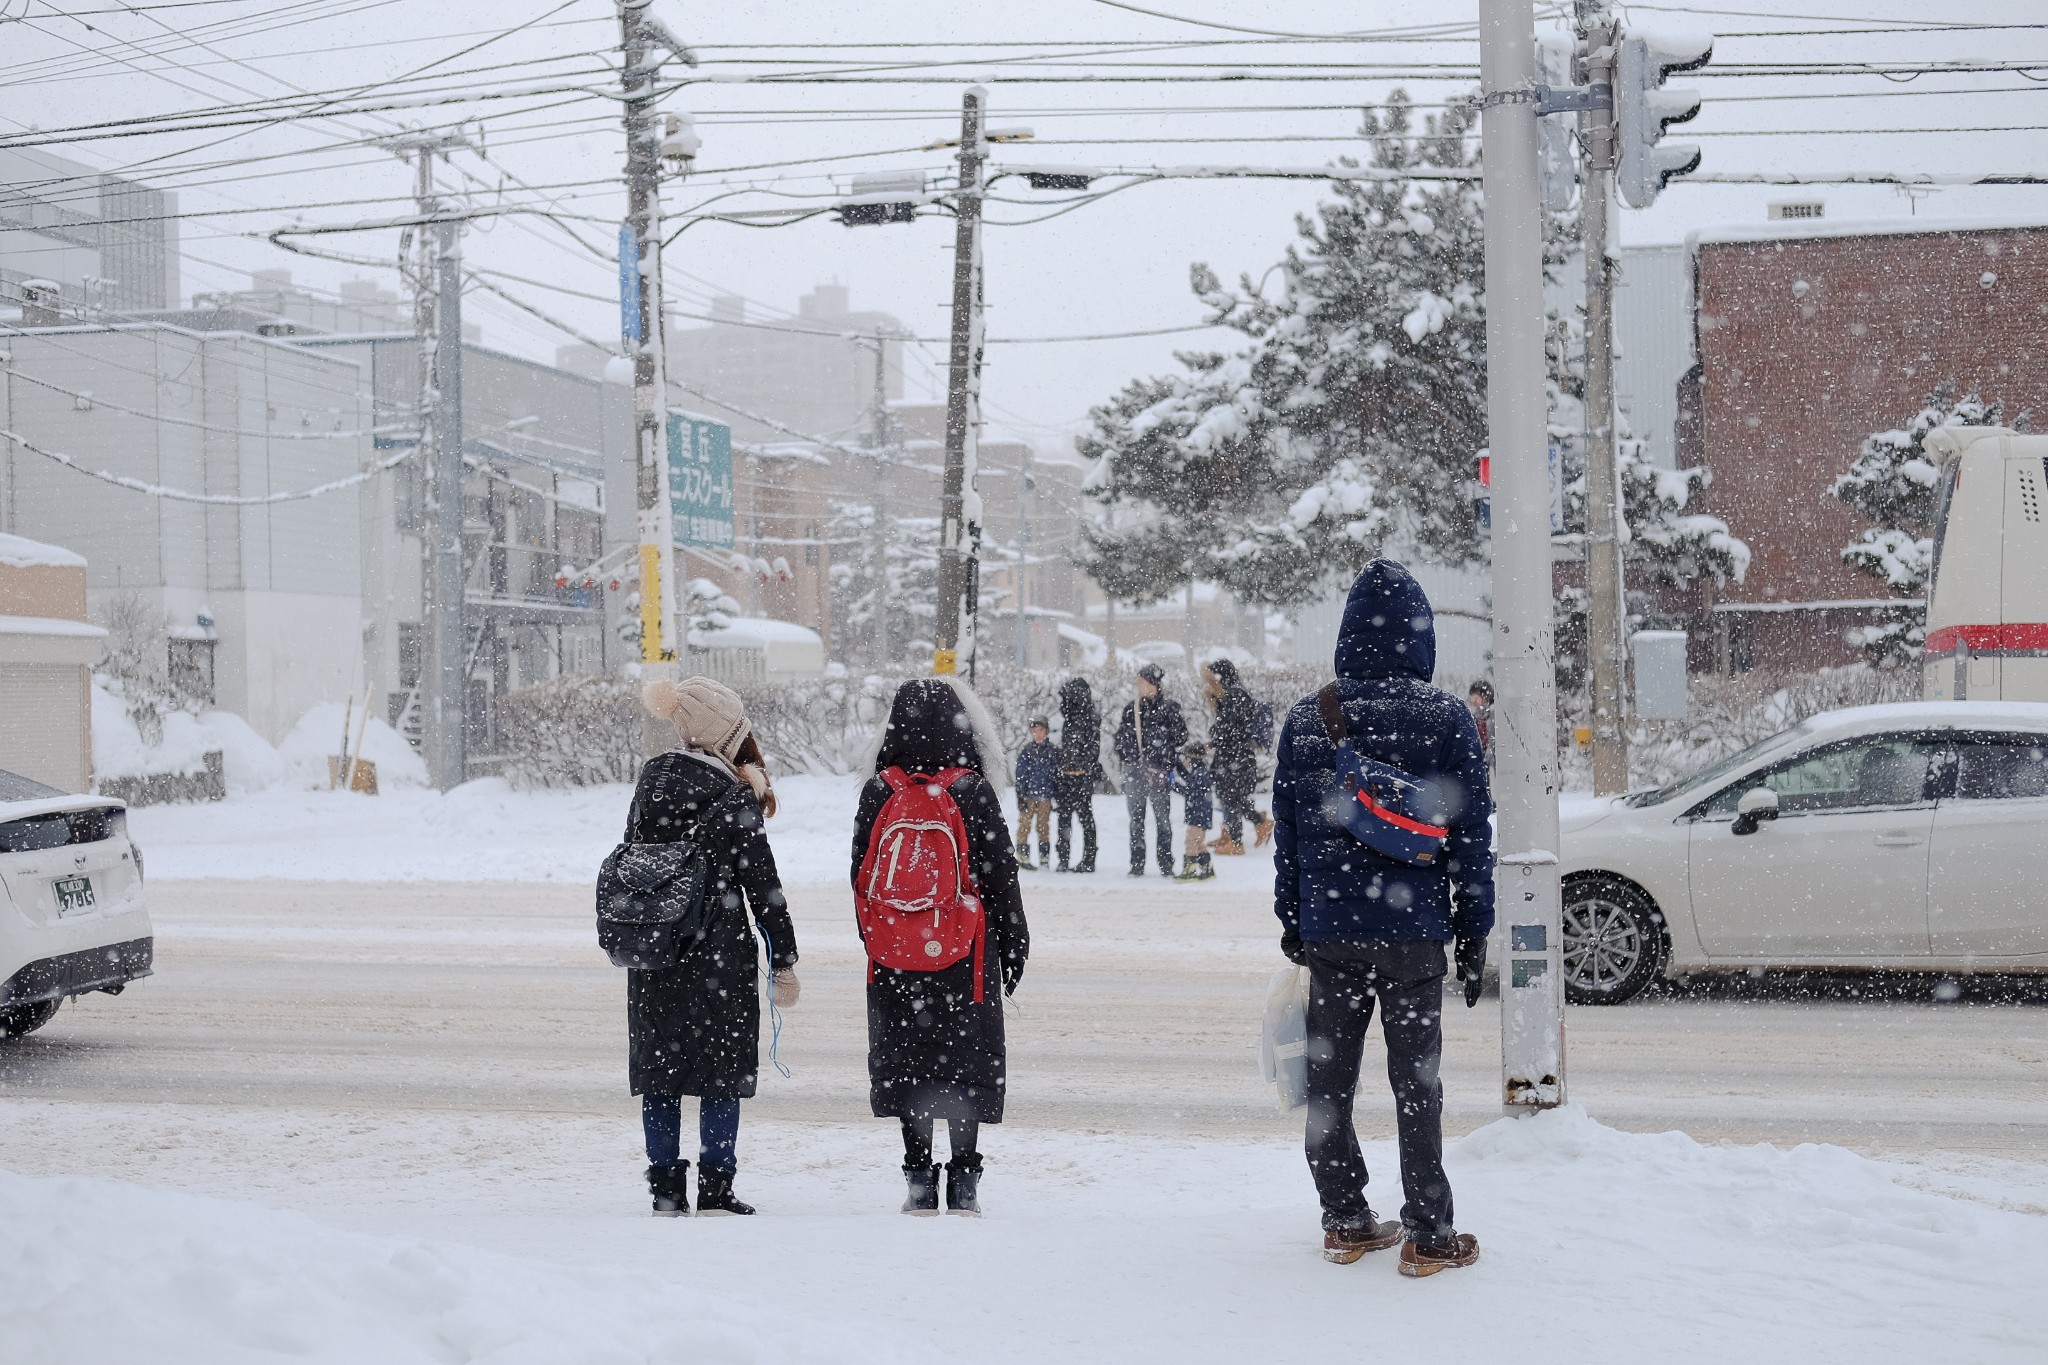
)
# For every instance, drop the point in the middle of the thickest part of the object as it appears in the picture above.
(641, 39)
(1525, 743)
(1606, 599)
(963, 388)
(436, 276)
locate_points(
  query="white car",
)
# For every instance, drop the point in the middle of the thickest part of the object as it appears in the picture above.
(71, 913)
(1905, 837)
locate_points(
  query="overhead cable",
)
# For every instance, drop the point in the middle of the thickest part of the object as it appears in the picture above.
(209, 499)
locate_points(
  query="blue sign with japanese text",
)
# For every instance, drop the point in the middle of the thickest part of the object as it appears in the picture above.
(629, 282)
(700, 480)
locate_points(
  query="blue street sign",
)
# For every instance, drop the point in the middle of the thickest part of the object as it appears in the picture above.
(700, 481)
(629, 282)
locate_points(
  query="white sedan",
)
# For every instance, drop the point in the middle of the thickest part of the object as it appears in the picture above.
(71, 914)
(1905, 837)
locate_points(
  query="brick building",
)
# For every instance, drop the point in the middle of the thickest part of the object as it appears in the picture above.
(1809, 337)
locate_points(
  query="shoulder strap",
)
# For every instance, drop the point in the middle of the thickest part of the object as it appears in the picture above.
(1333, 713)
(896, 778)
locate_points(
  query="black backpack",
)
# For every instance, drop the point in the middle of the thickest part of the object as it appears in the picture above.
(655, 900)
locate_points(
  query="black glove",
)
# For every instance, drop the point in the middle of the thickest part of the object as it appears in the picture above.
(1471, 955)
(1291, 949)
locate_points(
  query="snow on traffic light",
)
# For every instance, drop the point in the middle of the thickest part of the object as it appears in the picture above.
(1643, 109)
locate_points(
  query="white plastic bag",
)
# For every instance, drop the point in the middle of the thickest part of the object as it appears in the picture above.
(1283, 1043)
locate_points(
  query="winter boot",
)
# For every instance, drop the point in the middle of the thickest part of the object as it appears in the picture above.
(1024, 859)
(1063, 868)
(923, 1199)
(1265, 831)
(1228, 846)
(671, 1192)
(1205, 868)
(1086, 864)
(1418, 1260)
(1044, 856)
(715, 1196)
(1137, 869)
(1342, 1246)
(963, 1176)
(1190, 870)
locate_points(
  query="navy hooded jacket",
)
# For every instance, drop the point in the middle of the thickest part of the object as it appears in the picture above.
(1327, 885)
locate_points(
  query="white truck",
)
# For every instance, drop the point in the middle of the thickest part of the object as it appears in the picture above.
(1987, 603)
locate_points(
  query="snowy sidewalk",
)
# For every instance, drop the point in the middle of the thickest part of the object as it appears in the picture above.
(1599, 1246)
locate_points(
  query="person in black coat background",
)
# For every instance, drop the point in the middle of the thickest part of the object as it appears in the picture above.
(1148, 744)
(933, 1052)
(1078, 765)
(1234, 740)
(695, 1028)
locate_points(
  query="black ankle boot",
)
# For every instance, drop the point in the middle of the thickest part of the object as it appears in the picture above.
(670, 1189)
(715, 1196)
(963, 1176)
(923, 1198)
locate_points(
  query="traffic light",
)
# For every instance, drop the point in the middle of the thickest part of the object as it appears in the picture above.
(1643, 109)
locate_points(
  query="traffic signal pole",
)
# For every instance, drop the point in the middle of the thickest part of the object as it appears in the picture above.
(1606, 599)
(963, 385)
(1525, 712)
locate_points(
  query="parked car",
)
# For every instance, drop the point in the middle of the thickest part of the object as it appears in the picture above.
(71, 912)
(1904, 837)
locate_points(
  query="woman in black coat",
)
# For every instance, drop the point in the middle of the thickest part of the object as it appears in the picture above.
(695, 1028)
(1234, 738)
(1078, 765)
(934, 1052)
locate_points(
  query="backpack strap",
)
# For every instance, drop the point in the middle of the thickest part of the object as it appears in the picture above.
(1333, 713)
(896, 778)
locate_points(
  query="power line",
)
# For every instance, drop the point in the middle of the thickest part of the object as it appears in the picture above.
(209, 499)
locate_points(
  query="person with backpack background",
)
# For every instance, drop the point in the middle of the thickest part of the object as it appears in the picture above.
(694, 1028)
(1241, 729)
(1035, 764)
(940, 912)
(1382, 852)
(1148, 742)
(1079, 764)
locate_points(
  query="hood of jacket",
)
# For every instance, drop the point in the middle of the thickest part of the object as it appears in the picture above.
(939, 723)
(1225, 672)
(1389, 630)
(1075, 697)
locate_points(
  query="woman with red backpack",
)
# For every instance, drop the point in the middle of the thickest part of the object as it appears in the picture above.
(939, 910)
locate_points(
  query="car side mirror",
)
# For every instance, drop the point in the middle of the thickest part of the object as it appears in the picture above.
(1757, 804)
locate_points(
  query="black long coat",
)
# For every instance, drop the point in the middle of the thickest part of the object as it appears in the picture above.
(932, 1051)
(695, 1028)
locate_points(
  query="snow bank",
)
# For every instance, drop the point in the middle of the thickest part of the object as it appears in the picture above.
(122, 1274)
(317, 736)
(248, 762)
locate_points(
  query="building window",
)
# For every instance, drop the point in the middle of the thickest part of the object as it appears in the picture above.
(409, 642)
(191, 668)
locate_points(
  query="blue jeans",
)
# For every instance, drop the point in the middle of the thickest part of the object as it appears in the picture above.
(718, 1131)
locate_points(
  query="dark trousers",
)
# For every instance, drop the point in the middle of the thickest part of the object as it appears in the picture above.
(1234, 788)
(1138, 792)
(1408, 980)
(1073, 797)
(718, 1131)
(917, 1141)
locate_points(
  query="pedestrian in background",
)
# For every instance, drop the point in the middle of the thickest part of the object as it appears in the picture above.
(1035, 764)
(935, 1035)
(695, 1028)
(1198, 808)
(1236, 739)
(1148, 741)
(1480, 703)
(1079, 766)
(1369, 926)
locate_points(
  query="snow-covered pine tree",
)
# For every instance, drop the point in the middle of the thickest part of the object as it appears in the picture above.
(911, 585)
(1353, 414)
(1892, 483)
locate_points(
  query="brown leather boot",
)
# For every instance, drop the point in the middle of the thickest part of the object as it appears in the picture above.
(1264, 832)
(1342, 1246)
(1229, 847)
(1418, 1260)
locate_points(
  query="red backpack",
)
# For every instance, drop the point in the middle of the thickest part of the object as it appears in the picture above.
(915, 901)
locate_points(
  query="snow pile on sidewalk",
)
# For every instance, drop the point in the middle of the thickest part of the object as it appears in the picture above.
(318, 736)
(248, 762)
(488, 831)
(126, 1275)
(1599, 1247)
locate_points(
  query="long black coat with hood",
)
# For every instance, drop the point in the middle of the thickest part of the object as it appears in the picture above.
(1232, 738)
(695, 1028)
(932, 1051)
(1080, 752)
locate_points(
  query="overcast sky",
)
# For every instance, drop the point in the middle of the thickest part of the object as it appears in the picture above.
(1117, 265)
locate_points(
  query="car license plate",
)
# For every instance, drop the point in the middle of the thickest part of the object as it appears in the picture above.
(73, 893)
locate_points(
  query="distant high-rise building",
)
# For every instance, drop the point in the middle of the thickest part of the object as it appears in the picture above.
(108, 245)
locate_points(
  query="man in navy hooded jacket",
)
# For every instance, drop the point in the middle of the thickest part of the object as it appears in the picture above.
(1367, 926)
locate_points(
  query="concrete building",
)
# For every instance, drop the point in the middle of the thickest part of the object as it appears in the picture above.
(101, 243)
(1811, 335)
(1653, 344)
(47, 651)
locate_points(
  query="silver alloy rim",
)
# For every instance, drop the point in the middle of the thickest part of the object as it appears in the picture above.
(1602, 945)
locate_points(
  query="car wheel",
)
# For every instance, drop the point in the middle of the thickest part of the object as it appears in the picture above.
(25, 1019)
(1613, 942)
